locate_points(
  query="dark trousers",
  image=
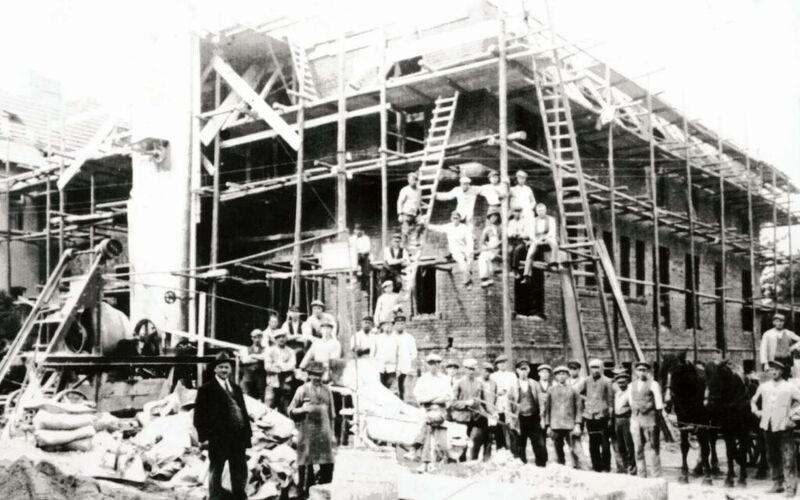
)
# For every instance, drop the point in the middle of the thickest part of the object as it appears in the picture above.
(781, 456)
(599, 446)
(401, 385)
(218, 454)
(519, 250)
(307, 478)
(388, 378)
(787, 363)
(478, 432)
(531, 430)
(624, 439)
(363, 270)
(254, 384)
(563, 437)
(395, 274)
(499, 432)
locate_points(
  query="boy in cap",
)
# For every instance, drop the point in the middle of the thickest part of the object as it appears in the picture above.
(467, 408)
(623, 440)
(432, 391)
(395, 261)
(252, 367)
(273, 326)
(459, 244)
(317, 317)
(489, 247)
(575, 379)
(385, 353)
(364, 339)
(645, 400)
(522, 196)
(360, 248)
(388, 303)
(777, 344)
(505, 379)
(220, 417)
(313, 410)
(406, 354)
(465, 195)
(777, 397)
(525, 416)
(279, 364)
(408, 205)
(545, 371)
(562, 418)
(598, 414)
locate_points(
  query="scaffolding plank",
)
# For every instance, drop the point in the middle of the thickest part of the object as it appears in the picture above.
(233, 100)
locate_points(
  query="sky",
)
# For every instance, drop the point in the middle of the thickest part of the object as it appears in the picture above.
(732, 64)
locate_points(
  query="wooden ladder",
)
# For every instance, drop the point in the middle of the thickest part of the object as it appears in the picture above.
(577, 235)
(430, 169)
(302, 72)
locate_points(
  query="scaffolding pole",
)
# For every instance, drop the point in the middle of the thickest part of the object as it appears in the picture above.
(384, 145)
(773, 190)
(502, 82)
(692, 249)
(8, 212)
(341, 193)
(612, 198)
(756, 327)
(214, 252)
(791, 259)
(298, 202)
(656, 245)
(723, 257)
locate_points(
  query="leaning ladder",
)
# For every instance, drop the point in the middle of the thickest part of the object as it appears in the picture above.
(430, 170)
(576, 230)
(304, 80)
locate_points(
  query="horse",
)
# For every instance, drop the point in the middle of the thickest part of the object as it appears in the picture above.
(684, 389)
(727, 398)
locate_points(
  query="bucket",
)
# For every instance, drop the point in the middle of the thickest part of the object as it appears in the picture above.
(361, 474)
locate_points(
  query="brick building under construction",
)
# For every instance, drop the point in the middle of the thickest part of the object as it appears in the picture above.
(659, 218)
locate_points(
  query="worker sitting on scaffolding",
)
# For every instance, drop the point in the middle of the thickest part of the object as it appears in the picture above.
(519, 237)
(522, 196)
(395, 261)
(409, 204)
(459, 244)
(465, 195)
(313, 324)
(489, 247)
(494, 192)
(544, 235)
(360, 248)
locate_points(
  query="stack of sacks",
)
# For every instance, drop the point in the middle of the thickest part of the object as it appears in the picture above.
(273, 460)
(64, 431)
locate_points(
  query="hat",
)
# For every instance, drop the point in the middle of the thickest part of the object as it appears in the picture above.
(487, 366)
(544, 366)
(413, 174)
(385, 322)
(367, 317)
(464, 179)
(451, 362)
(522, 363)
(574, 364)
(644, 364)
(778, 316)
(494, 173)
(315, 368)
(455, 213)
(318, 302)
(522, 173)
(492, 211)
(326, 322)
(222, 357)
(399, 317)
(500, 358)
(516, 208)
(470, 363)
(255, 332)
(619, 370)
(622, 376)
(294, 309)
(595, 363)
(776, 364)
(397, 236)
(278, 333)
(387, 283)
(560, 369)
(433, 358)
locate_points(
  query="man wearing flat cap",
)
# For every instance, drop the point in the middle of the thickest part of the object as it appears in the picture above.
(467, 408)
(460, 244)
(406, 354)
(279, 363)
(395, 261)
(388, 303)
(385, 353)
(364, 338)
(545, 373)
(489, 243)
(623, 440)
(777, 343)
(525, 416)
(433, 392)
(644, 397)
(563, 410)
(505, 379)
(777, 397)
(465, 195)
(221, 419)
(251, 367)
(313, 410)
(598, 414)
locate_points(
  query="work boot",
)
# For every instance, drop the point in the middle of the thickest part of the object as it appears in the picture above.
(777, 487)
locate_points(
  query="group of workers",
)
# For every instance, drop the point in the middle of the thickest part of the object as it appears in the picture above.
(505, 408)
(531, 231)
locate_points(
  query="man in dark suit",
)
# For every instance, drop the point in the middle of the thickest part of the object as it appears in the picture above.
(221, 418)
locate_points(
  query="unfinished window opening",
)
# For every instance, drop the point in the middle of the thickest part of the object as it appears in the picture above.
(425, 291)
(18, 213)
(625, 264)
(691, 278)
(719, 307)
(747, 296)
(640, 266)
(529, 297)
(662, 188)
(663, 279)
(414, 132)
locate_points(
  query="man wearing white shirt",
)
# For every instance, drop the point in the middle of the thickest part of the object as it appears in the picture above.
(385, 353)
(465, 195)
(433, 392)
(406, 354)
(409, 205)
(360, 248)
(506, 380)
(519, 237)
(395, 261)
(777, 344)
(544, 235)
(522, 195)
(494, 192)
(388, 303)
(489, 247)
(459, 243)
(364, 339)
(313, 324)
(646, 402)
